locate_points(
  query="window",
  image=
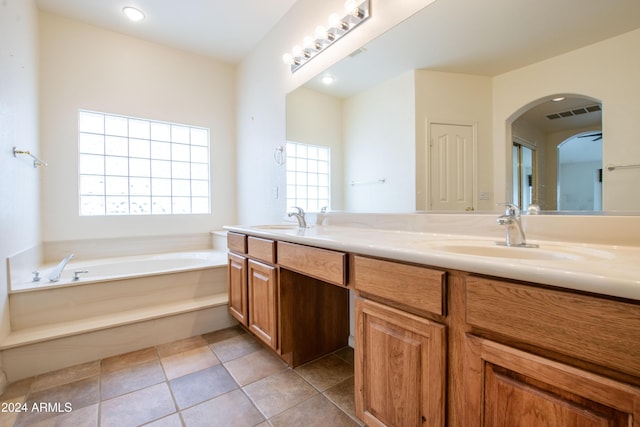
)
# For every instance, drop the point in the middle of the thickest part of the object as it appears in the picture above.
(131, 166)
(308, 183)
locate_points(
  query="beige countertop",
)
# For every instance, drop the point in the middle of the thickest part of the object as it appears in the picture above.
(598, 268)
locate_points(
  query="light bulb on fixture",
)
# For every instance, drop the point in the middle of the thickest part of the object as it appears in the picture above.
(351, 8)
(321, 33)
(309, 43)
(335, 21)
(133, 13)
(287, 58)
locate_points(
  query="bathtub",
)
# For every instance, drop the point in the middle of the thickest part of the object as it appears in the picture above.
(119, 268)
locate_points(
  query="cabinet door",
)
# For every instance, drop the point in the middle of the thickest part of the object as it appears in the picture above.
(400, 367)
(238, 288)
(506, 387)
(263, 303)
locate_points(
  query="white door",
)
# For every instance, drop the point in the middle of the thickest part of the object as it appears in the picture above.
(451, 167)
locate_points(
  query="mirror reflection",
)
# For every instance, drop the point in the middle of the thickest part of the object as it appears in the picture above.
(557, 155)
(427, 118)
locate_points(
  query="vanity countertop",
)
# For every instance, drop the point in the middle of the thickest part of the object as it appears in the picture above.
(603, 269)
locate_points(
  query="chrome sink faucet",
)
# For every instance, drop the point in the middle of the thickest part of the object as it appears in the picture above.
(57, 272)
(514, 232)
(299, 214)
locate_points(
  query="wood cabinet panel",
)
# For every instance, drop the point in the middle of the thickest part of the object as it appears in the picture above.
(262, 249)
(322, 264)
(593, 329)
(400, 367)
(418, 287)
(263, 302)
(507, 387)
(238, 287)
(237, 242)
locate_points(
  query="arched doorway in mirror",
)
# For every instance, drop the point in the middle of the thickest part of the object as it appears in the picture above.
(580, 172)
(542, 127)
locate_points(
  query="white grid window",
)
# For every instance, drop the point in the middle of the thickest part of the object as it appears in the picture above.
(308, 179)
(131, 166)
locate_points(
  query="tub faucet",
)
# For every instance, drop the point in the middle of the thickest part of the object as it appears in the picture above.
(57, 272)
(514, 232)
(299, 214)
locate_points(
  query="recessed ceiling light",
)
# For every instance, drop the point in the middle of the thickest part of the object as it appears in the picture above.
(133, 13)
(328, 79)
(558, 99)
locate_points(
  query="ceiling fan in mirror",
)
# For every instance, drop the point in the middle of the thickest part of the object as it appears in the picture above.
(597, 136)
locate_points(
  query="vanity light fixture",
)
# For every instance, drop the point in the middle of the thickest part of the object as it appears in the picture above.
(355, 13)
(133, 13)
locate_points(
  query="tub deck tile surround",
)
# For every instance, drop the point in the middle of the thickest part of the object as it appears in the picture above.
(220, 378)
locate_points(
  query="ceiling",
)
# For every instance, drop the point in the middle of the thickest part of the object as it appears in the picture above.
(227, 30)
(488, 37)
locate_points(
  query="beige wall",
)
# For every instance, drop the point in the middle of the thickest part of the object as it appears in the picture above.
(455, 99)
(86, 67)
(19, 181)
(608, 71)
(379, 143)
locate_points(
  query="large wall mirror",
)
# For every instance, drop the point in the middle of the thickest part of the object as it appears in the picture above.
(448, 110)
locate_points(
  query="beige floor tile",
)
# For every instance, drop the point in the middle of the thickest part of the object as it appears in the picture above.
(188, 361)
(137, 408)
(343, 396)
(132, 378)
(170, 421)
(75, 395)
(235, 347)
(84, 417)
(254, 366)
(317, 411)
(203, 385)
(126, 360)
(179, 346)
(279, 392)
(325, 372)
(223, 334)
(346, 354)
(233, 409)
(66, 375)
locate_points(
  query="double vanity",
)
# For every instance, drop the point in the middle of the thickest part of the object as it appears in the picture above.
(450, 328)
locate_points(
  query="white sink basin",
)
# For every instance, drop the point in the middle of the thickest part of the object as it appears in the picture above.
(544, 253)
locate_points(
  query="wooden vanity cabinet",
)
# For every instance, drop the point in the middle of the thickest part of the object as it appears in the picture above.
(237, 276)
(292, 297)
(263, 302)
(534, 356)
(238, 307)
(400, 357)
(399, 367)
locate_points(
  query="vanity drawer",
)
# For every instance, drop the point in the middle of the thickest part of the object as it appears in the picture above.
(237, 242)
(412, 286)
(597, 330)
(323, 264)
(262, 249)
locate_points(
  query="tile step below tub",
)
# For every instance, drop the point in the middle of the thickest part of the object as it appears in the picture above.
(43, 349)
(64, 329)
